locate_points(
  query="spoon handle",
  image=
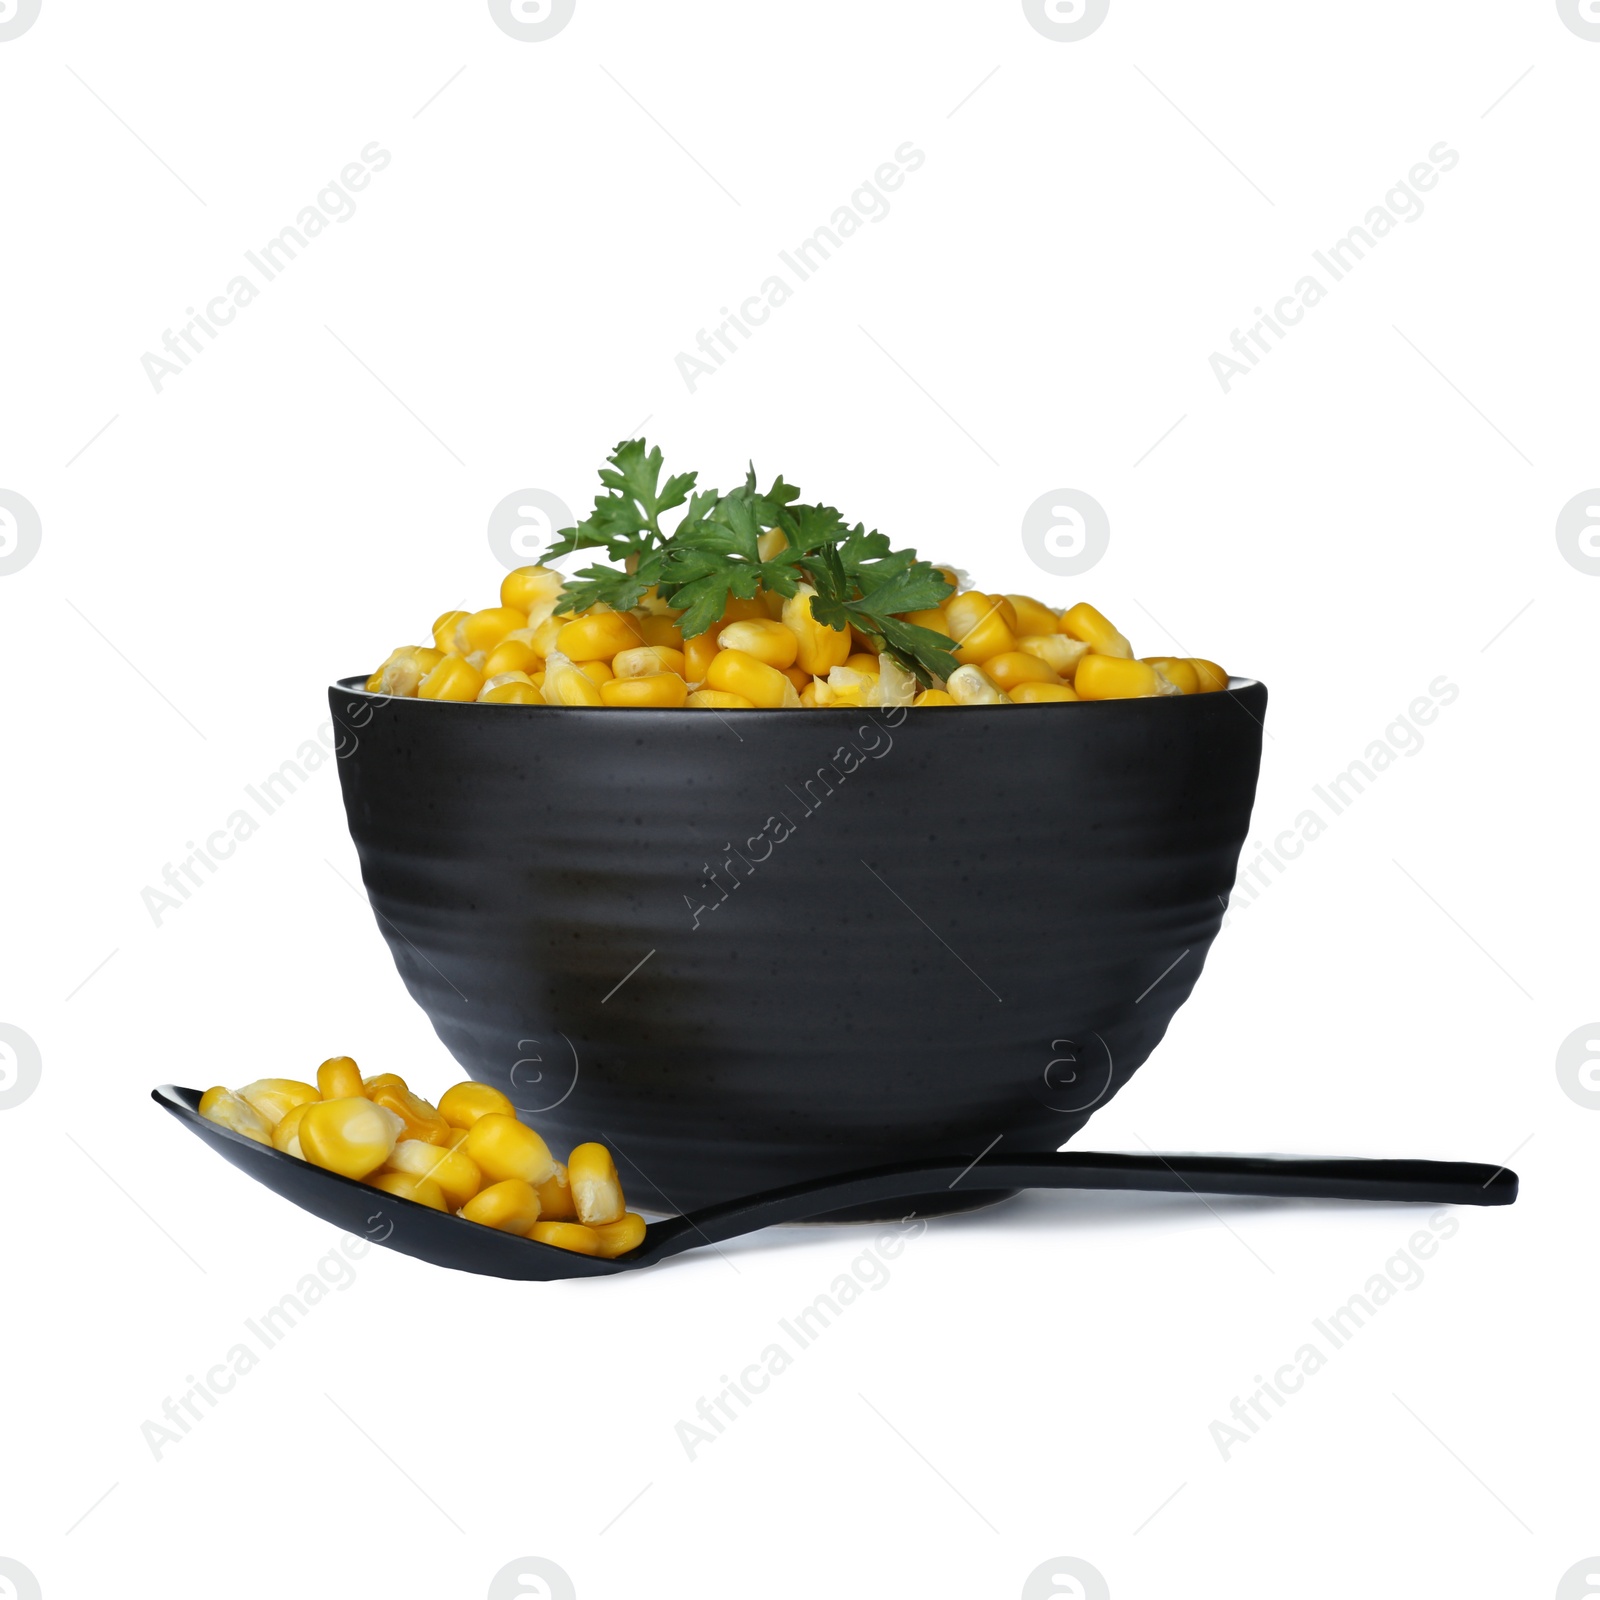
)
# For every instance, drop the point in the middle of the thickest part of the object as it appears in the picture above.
(1466, 1183)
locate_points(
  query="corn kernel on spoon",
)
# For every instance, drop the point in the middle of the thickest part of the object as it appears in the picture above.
(450, 1241)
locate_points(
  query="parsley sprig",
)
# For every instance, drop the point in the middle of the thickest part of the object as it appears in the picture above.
(715, 551)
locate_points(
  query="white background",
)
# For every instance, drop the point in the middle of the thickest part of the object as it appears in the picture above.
(1372, 508)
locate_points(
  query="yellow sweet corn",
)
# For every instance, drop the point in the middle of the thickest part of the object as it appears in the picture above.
(505, 1148)
(978, 627)
(409, 1187)
(1212, 678)
(658, 629)
(511, 689)
(698, 654)
(598, 673)
(1030, 694)
(1116, 678)
(935, 697)
(286, 1135)
(381, 1080)
(1033, 616)
(596, 1189)
(770, 545)
(767, 641)
(455, 1172)
(734, 672)
(338, 1078)
(444, 631)
(455, 678)
(598, 637)
(555, 1196)
(1012, 667)
(1083, 622)
(544, 637)
(227, 1110)
(647, 660)
(272, 1097)
(463, 1103)
(511, 1206)
(566, 685)
(514, 653)
(352, 1137)
(658, 689)
(972, 686)
(819, 648)
(572, 1236)
(422, 1121)
(404, 671)
(1177, 670)
(483, 630)
(532, 591)
(1056, 650)
(619, 1237)
(935, 620)
(863, 661)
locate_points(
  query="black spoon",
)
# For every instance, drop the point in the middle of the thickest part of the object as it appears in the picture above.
(449, 1241)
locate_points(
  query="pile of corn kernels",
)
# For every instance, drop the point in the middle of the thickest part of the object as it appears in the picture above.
(469, 1154)
(770, 653)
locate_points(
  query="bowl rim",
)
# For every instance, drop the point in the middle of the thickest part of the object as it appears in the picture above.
(357, 686)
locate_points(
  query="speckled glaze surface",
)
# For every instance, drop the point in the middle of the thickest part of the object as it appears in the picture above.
(768, 947)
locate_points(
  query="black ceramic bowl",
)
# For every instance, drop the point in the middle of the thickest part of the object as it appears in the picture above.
(758, 948)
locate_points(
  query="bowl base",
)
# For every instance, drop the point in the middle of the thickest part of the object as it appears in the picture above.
(943, 1204)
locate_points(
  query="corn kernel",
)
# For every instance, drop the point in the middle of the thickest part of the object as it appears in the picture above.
(596, 1189)
(1032, 694)
(1083, 622)
(978, 628)
(545, 635)
(227, 1110)
(972, 686)
(1012, 667)
(405, 669)
(511, 1206)
(659, 689)
(935, 697)
(286, 1135)
(338, 1078)
(513, 654)
(566, 685)
(619, 1237)
(1056, 650)
(381, 1080)
(454, 678)
(771, 544)
(954, 576)
(512, 689)
(1115, 678)
(532, 591)
(737, 610)
(352, 1137)
(799, 677)
(572, 1236)
(734, 672)
(421, 1120)
(767, 641)
(444, 631)
(808, 695)
(819, 648)
(935, 621)
(659, 630)
(646, 660)
(1033, 616)
(483, 630)
(272, 1097)
(505, 1148)
(863, 661)
(1212, 678)
(698, 654)
(455, 1172)
(598, 637)
(1178, 670)
(555, 1196)
(409, 1187)
(458, 1138)
(463, 1103)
